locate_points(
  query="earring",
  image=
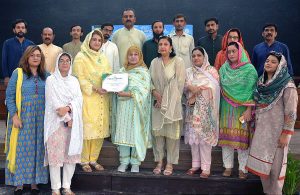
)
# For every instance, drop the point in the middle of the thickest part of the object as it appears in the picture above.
(170, 51)
(158, 51)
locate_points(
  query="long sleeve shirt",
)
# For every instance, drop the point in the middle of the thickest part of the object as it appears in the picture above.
(211, 46)
(12, 52)
(261, 51)
(51, 52)
(150, 48)
(110, 50)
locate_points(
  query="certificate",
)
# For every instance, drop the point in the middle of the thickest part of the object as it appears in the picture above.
(115, 82)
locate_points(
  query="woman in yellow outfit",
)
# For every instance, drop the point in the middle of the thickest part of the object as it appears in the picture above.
(89, 66)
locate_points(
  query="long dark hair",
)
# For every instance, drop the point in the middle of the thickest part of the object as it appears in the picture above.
(25, 65)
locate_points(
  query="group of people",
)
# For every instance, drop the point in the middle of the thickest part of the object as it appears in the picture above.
(59, 114)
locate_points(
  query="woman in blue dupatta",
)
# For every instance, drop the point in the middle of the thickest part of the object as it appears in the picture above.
(131, 129)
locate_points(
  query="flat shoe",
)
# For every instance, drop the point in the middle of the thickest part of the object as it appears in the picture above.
(168, 170)
(122, 168)
(191, 171)
(34, 191)
(227, 172)
(18, 192)
(242, 175)
(97, 166)
(158, 169)
(204, 175)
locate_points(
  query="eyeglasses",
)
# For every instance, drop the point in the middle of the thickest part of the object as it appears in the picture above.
(277, 54)
(64, 62)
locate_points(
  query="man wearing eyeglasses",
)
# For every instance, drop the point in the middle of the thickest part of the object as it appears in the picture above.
(261, 50)
(109, 48)
(183, 43)
(73, 47)
(128, 36)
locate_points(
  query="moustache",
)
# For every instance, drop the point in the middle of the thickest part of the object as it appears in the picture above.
(128, 20)
(20, 34)
(269, 35)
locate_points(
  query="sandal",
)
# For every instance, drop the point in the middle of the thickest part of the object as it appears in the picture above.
(86, 168)
(192, 171)
(97, 166)
(205, 174)
(227, 172)
(168, 170)
(242, 175)
(55, 192)
(158, 169)
(67, 191)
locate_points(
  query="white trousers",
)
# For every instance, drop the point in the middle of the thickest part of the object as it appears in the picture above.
(228, 158)
(201, 156)
(55, 178)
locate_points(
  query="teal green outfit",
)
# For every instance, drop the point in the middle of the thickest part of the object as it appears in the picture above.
(131, 117)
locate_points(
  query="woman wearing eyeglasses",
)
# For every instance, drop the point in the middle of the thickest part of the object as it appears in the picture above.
(276, 111)
(63, 130)
(232, 35)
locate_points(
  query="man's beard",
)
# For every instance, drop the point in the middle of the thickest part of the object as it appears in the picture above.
(156, 36)
(20, 34)
(106, 36)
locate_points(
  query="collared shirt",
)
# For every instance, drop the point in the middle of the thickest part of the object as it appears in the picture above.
(150, 48)
(125, 38)
(12, 52)
(72, 48)
(261, 51)
(211, 46)
(50, 52)
(110, 50)
(183, 46)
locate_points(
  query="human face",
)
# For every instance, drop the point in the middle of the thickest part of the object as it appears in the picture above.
(20, 30)
(179, 24)
(35, 58)
(133, 58)
(95, 42)
(232, 54)
(64, 64)
(76, 32)
(128, 19)
(211, 27)
(233, 37)
(271, 64)
(107, 31)
(158, 28)
(197, 58)
(269, 33)
(164, 47)
(47, 36)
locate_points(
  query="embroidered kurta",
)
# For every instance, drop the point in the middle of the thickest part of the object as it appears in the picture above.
(88, 67)
(30, 147)
(168, 80)
(125, 38)
(133, 122)
(72, 48)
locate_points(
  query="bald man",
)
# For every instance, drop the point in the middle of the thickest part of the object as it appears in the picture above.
(50, 50)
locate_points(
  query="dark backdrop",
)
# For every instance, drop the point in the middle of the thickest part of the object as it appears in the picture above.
(248, 15)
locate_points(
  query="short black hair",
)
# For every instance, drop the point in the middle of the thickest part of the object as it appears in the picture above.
(211, 19)
(172, 54)
(107, 24)
(270, 25)
(179, 16)
(74, 26)
(128, 9)
(17, 21)
(156, 22)
(201, 49)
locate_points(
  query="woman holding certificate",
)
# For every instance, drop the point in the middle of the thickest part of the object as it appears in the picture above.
(131, 129)
(168, 77)
(89, 66)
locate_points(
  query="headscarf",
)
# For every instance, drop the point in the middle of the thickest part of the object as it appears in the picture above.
(238, 81)
(141, 62)
(267, 92)
(60, 92)
(207, 77)
(222, 55)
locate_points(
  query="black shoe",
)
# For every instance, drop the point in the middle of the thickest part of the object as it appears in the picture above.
(18, 192)
(34, 191)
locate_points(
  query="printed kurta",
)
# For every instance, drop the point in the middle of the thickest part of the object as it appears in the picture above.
(133, 122)
(30, 147)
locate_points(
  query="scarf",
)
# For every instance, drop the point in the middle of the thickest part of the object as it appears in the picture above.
(268, 92)
(141, 59)
(238, 80)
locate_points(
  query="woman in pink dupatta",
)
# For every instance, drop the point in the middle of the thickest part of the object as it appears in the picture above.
(202, 114)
